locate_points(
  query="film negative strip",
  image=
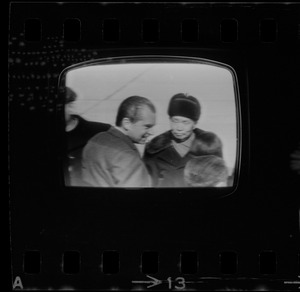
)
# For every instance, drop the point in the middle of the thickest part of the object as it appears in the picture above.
(154, 146)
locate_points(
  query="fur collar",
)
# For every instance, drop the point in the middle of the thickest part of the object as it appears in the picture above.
(163, 141)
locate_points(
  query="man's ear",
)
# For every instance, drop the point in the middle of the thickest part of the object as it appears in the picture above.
(126, 124)
(195, 124)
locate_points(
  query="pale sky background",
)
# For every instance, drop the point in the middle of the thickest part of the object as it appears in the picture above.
(101, 88)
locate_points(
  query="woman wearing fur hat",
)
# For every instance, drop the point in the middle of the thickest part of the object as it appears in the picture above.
(167, 154)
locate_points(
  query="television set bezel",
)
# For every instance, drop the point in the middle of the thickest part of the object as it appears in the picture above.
(224, 59)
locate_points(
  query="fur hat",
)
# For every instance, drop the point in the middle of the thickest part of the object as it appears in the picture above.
(185, 106)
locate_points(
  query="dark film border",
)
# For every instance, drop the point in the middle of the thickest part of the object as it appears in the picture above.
(270, 33)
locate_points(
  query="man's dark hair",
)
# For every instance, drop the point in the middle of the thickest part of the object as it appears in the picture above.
(207, 143)
(130, 108)
(70, 95)
(205, 171)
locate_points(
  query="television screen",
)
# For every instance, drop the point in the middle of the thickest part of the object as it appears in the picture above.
(189, 138)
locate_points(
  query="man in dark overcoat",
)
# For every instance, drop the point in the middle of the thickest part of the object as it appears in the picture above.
(167, 154)
(111, 158)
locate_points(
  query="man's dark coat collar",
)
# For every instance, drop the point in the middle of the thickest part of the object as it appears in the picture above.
(164, 141)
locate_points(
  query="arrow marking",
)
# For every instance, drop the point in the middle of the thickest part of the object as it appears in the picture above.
(153, 282)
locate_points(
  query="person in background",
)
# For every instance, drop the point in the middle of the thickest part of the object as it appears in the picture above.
(167, 154)
(78, 132)
(111, 159)
(206, 171)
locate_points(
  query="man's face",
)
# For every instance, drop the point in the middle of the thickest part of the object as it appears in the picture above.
(69, 110)
(182, 127)
(142, 129)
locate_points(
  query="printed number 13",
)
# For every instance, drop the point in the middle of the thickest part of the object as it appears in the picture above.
(179, 280)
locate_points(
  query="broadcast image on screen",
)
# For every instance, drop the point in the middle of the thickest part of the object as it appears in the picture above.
(144, 122)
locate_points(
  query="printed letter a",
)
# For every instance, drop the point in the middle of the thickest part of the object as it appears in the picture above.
(18, 283)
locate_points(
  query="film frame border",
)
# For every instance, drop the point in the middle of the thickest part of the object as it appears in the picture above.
(208, 43)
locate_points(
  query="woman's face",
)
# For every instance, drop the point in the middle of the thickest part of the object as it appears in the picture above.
(182, 127)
